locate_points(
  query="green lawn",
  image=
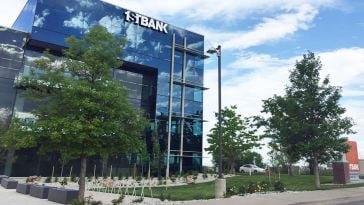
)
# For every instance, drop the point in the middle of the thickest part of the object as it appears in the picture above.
(206, 190)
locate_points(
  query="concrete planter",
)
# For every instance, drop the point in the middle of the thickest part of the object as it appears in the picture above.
(62, 195)
(8, 183)
(39, 191)
(23, 188)
(2, 177)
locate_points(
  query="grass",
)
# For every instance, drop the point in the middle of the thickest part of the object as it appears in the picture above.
(206, 190)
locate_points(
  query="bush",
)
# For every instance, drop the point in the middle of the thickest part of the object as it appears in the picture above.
(73, 179)
(48, 180)
(56, 179)
(64, 181)
(230, 191)
(251, 188)
(242, 190)
(118, 200)
(138, 200)
(278, 186)
(88, 201)
(264, 186)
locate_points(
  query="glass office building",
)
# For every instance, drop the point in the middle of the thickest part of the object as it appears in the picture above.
(163, 72)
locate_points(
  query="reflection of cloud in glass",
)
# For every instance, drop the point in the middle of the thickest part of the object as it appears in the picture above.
(112, 24)
(86, 3)
(39, 19)
(69, 10)
(196, 46)
(78, 21)
(4, 114)
(134, 36)
(11, 50)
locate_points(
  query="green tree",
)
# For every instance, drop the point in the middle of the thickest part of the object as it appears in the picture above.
(251, 157)
(238, 137)
(83, 110)
(307, 122)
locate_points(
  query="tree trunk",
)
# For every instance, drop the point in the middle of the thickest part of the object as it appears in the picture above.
(81, 193)
(290, 173)
(104, 166)
(62, 169)
(232, 168)
(311, 166)
(316, 172)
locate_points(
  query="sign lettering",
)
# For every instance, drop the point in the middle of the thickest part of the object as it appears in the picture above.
(146, 21)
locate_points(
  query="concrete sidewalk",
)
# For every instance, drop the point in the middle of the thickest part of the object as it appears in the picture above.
(336, 196)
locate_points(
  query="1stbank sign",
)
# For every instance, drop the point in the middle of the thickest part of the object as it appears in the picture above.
(353, 160)
(146, 21)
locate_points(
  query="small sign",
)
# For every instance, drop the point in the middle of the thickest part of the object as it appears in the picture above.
(353, 160)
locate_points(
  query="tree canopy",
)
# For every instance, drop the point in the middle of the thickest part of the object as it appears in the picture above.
(308, 122)
(82, 110)
(238, 137)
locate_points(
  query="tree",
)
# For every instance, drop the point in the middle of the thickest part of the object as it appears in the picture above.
(251, 157)
(83, 111)
(238, 137)
(307, 122)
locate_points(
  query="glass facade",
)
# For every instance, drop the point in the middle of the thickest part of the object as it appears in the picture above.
(146, 72)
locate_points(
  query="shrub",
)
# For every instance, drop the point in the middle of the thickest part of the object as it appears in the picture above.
(264, 186)
(242, 190)
(173, 178)
(278, 186)
(230, 191)
(205, 176)
(73, 179)
(251, 188)
(118, 200)
(88, 201)
(56, 179)
(139, 178)
(48, 180)
(64, 181)
(138, 200)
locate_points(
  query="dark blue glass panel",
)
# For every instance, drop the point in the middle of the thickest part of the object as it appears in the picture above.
(194, 75)
(193, 94)
(194, 61)
(162, 105)
(193, 109)
(7, 96)
(177, 91)
(192, 135)
(163, 87)
(195, 41)
(177, 72)
(49, 36)
(25, 19)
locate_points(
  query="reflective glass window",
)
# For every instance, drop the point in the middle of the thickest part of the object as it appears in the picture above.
(193, 94)
(7, 96)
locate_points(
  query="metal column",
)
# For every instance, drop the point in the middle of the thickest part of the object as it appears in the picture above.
(182, 105)
(170, 104)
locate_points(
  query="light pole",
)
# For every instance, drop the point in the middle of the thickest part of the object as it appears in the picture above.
(220, 184)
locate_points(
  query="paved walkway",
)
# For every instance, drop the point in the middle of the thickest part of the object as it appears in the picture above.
(348, 196)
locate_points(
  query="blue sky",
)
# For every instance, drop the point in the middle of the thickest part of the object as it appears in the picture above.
(261, 40)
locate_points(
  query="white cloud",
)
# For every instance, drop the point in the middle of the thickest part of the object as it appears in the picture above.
(214, 9)
(270, 29)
